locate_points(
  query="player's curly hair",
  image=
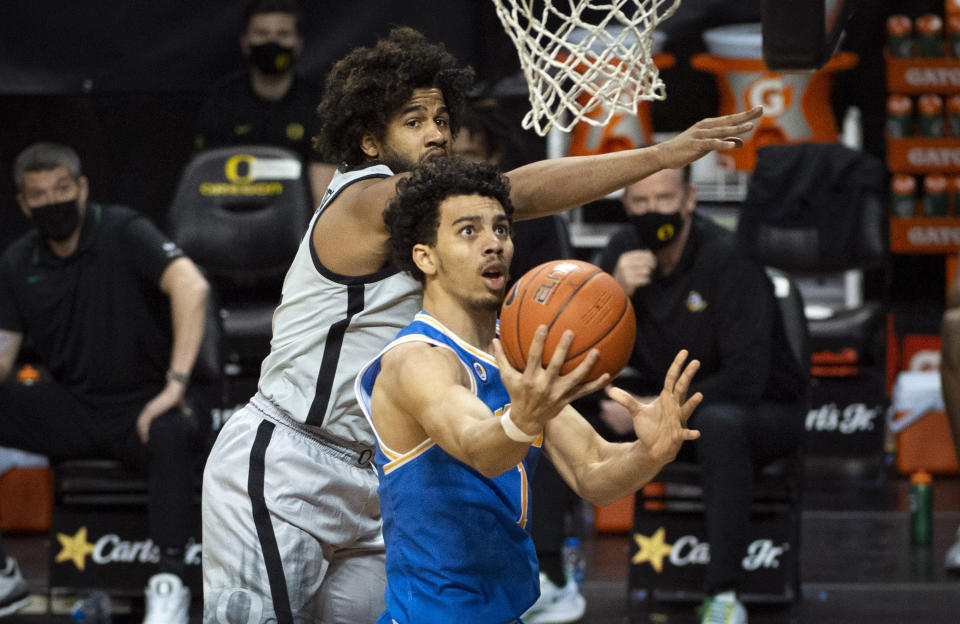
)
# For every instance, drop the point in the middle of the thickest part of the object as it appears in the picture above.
(367, 86)
(413, 215)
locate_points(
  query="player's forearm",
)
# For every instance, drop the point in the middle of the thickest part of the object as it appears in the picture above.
(625, 468)
(465, 428)
(188, 301)
(484, 445)
(551, 186)
(9, 349)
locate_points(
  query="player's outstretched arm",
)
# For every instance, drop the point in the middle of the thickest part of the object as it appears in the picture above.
(554, 185)
(603, 472)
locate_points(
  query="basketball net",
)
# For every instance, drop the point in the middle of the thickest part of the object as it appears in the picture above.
(585, 71)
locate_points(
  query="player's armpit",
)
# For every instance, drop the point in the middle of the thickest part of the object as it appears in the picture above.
(350, 237)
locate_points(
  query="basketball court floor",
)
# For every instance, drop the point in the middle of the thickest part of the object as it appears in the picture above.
(857, 564)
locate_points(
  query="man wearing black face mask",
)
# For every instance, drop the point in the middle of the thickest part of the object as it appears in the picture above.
(116, 313)
(693, 288)
(267, 103)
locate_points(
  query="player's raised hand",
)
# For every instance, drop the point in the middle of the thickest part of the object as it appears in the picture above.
(708, 135)
(661, 426)
(538, 393)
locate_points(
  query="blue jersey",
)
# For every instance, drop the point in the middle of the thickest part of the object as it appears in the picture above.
(458, 548)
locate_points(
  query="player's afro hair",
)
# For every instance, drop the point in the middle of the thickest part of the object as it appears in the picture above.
(367, 86)
(413, 215)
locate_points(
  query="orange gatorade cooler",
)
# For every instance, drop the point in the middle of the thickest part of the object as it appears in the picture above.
(899, 116)
(903, 195)
(623, 131)
(900, 36)
(935, 195)
(917, 416)
(930, 115)
(929, 35)
(952, 6)
(796, 106)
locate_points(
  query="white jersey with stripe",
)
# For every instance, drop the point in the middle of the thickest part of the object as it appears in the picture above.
(328, 326)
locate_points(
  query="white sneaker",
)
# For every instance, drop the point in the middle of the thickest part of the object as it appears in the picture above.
(14, 593)
(556, 605)
(168, 600)
(722, 608)
(951, 561)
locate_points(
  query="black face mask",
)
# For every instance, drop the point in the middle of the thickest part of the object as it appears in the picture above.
(271, 57)
(58, 221)
(655, 229)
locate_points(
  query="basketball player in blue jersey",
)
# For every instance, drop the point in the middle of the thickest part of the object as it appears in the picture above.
(459, 430)
(291, 518)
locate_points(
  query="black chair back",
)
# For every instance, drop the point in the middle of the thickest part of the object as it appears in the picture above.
(240, 212)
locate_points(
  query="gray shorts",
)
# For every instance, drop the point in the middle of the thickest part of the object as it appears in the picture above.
(291, 527)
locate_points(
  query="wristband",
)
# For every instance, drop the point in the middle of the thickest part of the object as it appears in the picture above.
(181, 378)
(513, 431)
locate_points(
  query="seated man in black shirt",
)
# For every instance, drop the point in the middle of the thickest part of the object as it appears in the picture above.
(267, 103)
(693, 288)
(116, 313)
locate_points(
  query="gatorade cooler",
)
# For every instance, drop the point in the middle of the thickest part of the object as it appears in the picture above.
(919, 420)
(796, 106)
(26, 499)
(623, 131)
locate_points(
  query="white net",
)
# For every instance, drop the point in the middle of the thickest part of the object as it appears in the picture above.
(585, 60)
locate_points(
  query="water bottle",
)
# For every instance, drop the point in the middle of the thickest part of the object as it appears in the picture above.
(94, 609)
(574, 563)
(921, 507)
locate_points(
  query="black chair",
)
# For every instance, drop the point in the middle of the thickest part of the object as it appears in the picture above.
(669, 512)
(816, 212)
(240, 213)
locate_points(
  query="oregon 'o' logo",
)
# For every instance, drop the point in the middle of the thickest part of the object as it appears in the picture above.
(232, 169)
(239, 605)
(665, 232)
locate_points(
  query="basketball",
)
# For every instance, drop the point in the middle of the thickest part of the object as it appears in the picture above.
(569, 294)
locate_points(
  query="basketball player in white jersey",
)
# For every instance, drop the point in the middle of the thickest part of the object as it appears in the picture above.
(291, 520)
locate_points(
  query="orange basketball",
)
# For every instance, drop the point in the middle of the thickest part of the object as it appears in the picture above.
(569, 294)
